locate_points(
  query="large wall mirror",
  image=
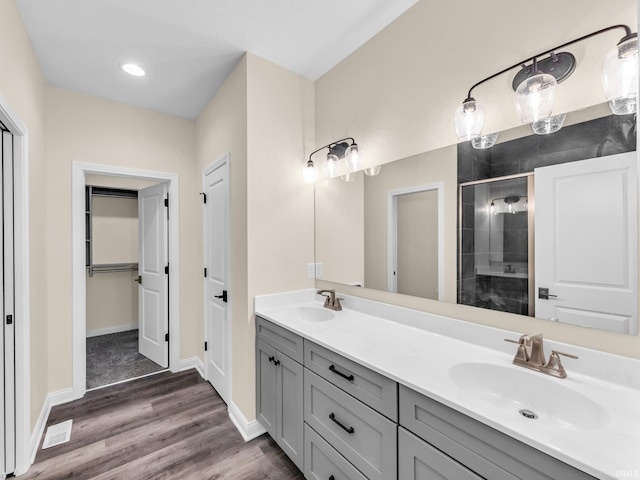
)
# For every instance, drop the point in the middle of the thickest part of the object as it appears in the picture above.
(536, 225)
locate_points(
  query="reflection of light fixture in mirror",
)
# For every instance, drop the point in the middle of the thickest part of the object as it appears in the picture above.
(353, 158)
(348, 177)
(310, 172)
(510, 204)
(331, 166)
(372, 171)
(535, 83)
(485, 141)
(548, 125)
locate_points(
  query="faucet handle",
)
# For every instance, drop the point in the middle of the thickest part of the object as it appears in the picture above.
(556, 353)
(554, 365)
(519, 342)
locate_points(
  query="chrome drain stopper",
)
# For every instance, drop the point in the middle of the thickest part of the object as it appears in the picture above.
(528, 414)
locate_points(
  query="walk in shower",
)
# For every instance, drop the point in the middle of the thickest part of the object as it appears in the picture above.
(496, 232)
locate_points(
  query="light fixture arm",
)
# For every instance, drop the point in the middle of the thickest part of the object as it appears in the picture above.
(628, 34)
(332, 144)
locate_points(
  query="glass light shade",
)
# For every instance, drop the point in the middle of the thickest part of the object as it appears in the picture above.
(373, 171)
(310, 172)
(535, 97)
(330, 167)
(353, 157)
(619, 77)
(485, 141)
(548, 125)
(348, 177)
(469, 120)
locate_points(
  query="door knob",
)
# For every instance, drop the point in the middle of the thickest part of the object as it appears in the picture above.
(223, 296)
(138, 279)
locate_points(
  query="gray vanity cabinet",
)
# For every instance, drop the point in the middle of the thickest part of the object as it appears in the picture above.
(480, 448)
(417, 460)
(279, 390)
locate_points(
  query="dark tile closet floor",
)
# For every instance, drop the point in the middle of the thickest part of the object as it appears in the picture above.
(114, 357)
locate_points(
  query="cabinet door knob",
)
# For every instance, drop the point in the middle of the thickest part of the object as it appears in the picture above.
(271, 359)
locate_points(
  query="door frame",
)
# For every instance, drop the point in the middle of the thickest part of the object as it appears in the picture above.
(392, 233)
(22, 282)
(79, 170)
(225, 159)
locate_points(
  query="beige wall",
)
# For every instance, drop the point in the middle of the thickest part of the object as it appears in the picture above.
(22, 86)
(112, 297)
(398, 92)
(88, 129)
(262, 116)
(423, 169)
(340, 227)
(417, 250)
(221, 129)
(279, 205)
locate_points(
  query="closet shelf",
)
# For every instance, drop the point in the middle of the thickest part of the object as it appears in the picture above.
(112, 267)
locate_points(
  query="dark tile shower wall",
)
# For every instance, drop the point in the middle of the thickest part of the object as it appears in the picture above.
(596, 138)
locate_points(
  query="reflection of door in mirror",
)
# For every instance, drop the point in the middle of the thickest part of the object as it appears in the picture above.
(414, 253)
(586, 207)
(495, 268)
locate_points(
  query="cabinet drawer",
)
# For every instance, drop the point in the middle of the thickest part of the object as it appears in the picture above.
(322, 462)
(377, 391)
(365, 438)
(486, 451)
(280, 338)
(417, 460)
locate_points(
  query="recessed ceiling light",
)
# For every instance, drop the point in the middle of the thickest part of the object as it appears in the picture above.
(133, 69)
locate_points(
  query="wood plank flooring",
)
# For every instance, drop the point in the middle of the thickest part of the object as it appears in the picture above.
(166, 426)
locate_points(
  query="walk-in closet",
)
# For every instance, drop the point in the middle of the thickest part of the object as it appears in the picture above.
(112, 282)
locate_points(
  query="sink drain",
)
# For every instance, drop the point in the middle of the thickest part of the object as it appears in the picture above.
(528, 414)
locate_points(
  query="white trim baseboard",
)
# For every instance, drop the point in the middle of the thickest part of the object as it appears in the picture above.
(109, 330)
(193, 362)
(53, 399)
(248, 430)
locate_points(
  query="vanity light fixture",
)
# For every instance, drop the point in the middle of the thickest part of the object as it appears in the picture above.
(535, 86)
(332, 166)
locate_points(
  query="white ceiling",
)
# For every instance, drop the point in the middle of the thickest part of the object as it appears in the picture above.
(189, 47)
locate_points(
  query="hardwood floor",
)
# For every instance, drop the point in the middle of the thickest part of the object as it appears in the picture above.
(169, 426)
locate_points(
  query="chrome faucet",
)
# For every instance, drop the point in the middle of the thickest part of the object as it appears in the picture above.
(530, 355)
(332, 302)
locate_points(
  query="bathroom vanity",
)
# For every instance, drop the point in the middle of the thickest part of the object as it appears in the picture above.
(382, 392)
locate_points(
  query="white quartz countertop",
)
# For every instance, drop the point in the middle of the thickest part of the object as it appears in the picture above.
(419, 350)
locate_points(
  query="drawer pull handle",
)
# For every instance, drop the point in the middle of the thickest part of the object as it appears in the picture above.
(349, 430)
(348, 377)
(332, 477)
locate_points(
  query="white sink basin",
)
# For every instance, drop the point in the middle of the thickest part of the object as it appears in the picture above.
(548, 398)
(312, 314)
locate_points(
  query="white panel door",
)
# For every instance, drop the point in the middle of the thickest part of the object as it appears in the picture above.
(216, 231)
(586, 242)
(154, 280)
(7, 387)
